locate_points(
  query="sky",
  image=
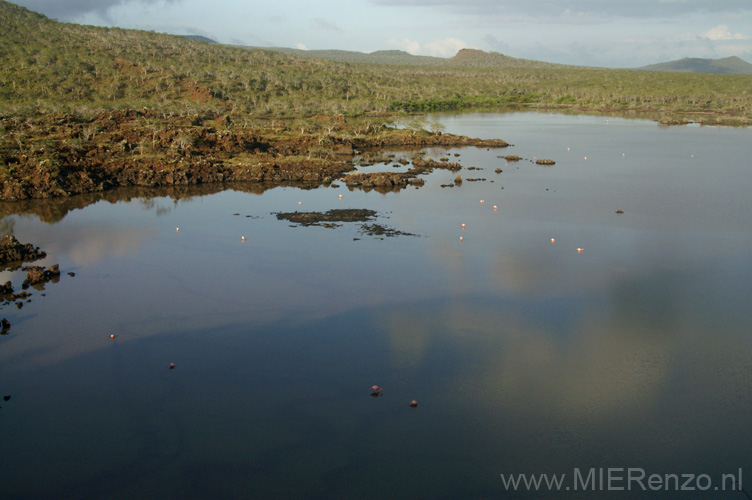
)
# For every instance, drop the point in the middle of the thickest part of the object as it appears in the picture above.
(606, 33)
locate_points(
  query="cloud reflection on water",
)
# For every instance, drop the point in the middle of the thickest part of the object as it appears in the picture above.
(609, 338)
(88, 246)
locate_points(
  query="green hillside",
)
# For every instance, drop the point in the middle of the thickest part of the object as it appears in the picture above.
(728, 65)
(465, 58)
(58, 66)
(199, 38)
(86, 109)
(52, 66)
(386, 57)
(472, 58)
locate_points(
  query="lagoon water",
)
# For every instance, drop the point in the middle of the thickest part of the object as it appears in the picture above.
(525, 356)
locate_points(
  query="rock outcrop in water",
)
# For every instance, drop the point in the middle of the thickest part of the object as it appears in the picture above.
(335, 217)
(12, 252)
(38, 275)
(330, 217)
(13, 255)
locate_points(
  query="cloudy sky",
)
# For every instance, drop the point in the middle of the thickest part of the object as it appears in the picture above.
(611, 33)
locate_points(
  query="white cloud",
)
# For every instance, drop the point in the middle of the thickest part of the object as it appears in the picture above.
(301, 46)
(405, 44)
(722, 32)
(326, 25)
(445, 47)
(441, 47)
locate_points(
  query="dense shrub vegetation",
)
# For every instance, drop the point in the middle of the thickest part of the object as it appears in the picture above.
(50, 66)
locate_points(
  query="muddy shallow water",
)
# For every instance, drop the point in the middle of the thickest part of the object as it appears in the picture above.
(525, 355)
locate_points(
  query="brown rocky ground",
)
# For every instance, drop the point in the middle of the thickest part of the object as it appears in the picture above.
(60, 155)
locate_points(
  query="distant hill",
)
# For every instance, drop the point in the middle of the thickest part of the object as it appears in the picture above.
(465, 58)
(48, 66)
(390, 57)
(199, 38)
(728, 65)
(474, 58)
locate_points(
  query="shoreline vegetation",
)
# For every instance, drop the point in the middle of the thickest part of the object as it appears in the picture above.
(86, 109)
(60, 155)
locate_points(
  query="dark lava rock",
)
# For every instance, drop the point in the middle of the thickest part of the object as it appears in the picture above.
(427, 165)
(545, 162)
(37, 275)
(335, 215)
(11, 251)
(5, 324)
(20, 296)
(332, 217)
(379, 230)
(377, 179)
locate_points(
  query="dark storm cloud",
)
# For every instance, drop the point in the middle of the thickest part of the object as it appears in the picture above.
(67, 10)
(600, 8)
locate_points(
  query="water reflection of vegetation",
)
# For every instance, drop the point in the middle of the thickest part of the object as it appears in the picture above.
(7, 225)
(151, 204)
(53, 210)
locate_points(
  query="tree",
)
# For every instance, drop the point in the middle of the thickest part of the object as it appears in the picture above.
(437, 127)
(417, 124)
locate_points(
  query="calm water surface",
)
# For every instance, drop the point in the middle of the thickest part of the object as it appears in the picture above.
(525, 356)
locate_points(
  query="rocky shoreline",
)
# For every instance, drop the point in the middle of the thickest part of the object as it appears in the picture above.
(13, 256)
(14, 253)
(61, 155)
